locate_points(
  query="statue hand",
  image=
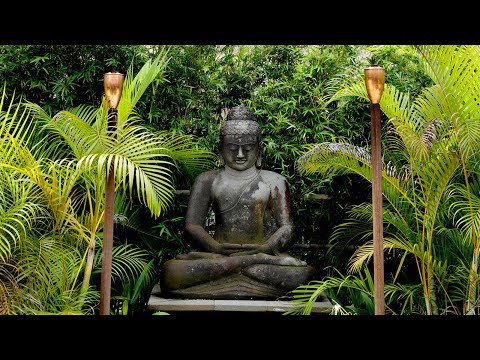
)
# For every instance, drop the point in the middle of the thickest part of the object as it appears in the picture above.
(250, 249)
(227, 248)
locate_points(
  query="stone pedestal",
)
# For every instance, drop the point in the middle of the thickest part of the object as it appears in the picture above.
(159, 303)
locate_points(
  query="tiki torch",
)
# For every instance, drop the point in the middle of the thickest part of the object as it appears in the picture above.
(113, 85)
(374, 81)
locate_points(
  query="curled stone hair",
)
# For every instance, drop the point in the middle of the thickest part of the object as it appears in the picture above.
(241, 121)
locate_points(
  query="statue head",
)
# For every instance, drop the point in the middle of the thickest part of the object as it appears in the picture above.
(240, 139)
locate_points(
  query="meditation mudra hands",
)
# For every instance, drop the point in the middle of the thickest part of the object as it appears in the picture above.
(228, 249)
(245, 249)
(245, 257)
(264, 252)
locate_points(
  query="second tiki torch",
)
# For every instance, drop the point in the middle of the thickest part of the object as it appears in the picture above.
(374, 81)
(113, 85)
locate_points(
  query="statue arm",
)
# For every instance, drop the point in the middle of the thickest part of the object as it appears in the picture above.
(283, 212)
(197, 211)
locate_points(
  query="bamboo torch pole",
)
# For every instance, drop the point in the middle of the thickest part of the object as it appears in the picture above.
(374, 81)
(113, 85)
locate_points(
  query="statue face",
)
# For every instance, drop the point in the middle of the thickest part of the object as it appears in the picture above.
(240, 151)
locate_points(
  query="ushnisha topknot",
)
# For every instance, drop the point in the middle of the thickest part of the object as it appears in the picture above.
(241, 121)
(241, 112)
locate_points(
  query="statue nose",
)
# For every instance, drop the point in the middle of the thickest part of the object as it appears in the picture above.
(240, 153)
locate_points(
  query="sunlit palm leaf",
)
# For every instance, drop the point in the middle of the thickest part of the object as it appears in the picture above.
(184, 150)
(435, 138)
(128, 263)
(141, 164)
(135, 86)
(466, 208)
(8, 287)
(455, 70)
(50, 271)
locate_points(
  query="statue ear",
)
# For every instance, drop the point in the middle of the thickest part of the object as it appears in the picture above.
(222, 160)
(258, 163)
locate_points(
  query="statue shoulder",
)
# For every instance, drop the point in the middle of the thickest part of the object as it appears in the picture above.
(273, 177)
(271, 174)
(202, 185)
(207, 177)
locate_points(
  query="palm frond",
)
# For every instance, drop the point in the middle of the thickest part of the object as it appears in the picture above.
(329, 158)
(129, 263)
(185, 151)
(20, 209)
(304, 296)
(465, 208)
(77, 129)
(135, 86)
(49, 277)
(8, 286)
(407, 296)
(455, 70)
(141, 163)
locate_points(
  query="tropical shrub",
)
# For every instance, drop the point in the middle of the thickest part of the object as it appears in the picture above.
(64, 164)
(64, 76)
(429, 185)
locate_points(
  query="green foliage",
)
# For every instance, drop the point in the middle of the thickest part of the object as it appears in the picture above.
(48, 283)
(288, 86)
(428, 182)
(62, 76)
(54, 259)
(404, 69)
(350, 294)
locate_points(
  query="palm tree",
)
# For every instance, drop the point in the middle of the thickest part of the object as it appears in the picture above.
(429, 182)
(67, 168)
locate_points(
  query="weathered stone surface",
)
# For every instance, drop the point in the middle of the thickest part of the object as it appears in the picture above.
(245, 255)
(159, 303)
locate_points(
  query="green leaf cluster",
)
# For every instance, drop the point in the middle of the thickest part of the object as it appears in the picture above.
(429, 185)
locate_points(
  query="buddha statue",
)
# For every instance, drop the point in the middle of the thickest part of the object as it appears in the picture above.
(244, 256)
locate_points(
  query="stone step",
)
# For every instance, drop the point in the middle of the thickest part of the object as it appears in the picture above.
(158, 303)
